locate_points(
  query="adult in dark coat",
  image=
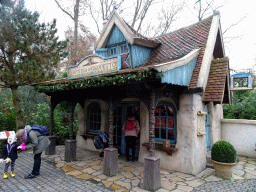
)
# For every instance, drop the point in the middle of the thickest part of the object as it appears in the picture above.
(9, 155)
(38, 142)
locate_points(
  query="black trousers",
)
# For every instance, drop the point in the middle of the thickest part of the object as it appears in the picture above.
(130, 143)
(37, 163)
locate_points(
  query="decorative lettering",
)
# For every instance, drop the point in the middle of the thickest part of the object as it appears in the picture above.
(92, 66)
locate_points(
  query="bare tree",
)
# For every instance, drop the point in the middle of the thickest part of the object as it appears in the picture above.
(138, 13)
(74, 15)
(206, 7)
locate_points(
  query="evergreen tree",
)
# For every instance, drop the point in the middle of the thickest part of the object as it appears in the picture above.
(29, 50)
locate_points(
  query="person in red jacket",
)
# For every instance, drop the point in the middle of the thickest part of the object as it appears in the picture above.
(131, 129)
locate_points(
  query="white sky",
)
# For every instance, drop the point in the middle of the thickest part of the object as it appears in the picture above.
(241, 51)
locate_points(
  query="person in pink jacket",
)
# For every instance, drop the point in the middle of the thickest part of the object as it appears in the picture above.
(131, 129)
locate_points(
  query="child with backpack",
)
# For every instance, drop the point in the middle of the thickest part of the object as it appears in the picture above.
(39, 142)
(131, 130)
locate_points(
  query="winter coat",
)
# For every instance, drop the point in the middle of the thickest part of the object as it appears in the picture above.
(38, 142)
(13, 153)
(133, 132)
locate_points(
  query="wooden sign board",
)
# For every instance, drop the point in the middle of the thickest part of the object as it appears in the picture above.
(3, 135)
(93, 65)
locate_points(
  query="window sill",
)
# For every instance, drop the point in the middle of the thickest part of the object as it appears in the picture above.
(159, 146)
(89, 135)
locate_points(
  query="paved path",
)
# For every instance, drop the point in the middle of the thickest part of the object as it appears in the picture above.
(51, 179)
(86, 175)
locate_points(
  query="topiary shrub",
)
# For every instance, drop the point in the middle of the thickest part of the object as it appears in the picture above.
(222, 151)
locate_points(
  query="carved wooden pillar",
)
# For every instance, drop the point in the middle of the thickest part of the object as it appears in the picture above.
(152, 177)
(110, 164)
(50, 150)
(111, 124)
(72, 105)
(51, 117)
(152, 123)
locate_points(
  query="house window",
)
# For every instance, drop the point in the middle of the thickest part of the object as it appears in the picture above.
(165, 123)
(94, 117)
(123, 49)
(112, 51)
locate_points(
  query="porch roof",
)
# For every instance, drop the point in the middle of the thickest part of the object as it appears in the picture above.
(217, 88)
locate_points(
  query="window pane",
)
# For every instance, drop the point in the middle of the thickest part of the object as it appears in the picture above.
(163, 110)
(170, 122)
(163, 133)
(171, 134)
(157, 111)
(94, 113)
(156, 133)
(157, 122)
(163, 122)
(170, 111)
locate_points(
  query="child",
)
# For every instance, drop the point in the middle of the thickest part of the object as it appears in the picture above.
(9, 155)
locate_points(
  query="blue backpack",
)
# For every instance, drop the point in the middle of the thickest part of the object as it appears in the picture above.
(41, 128)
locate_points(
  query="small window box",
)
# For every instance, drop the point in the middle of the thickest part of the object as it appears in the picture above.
(159, 146)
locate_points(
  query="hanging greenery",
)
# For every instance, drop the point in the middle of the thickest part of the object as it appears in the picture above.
(100, 81)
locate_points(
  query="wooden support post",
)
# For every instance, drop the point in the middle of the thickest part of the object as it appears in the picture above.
(110, 165)
(50, 150)
(152, 124)
(111, 124)
(152, 177)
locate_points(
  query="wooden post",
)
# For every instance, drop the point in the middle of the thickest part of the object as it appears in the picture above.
(50, 150)
(111, 124)
(110, 164)
(51, 117)
(152, 124)
(72, 105)
(152, 176)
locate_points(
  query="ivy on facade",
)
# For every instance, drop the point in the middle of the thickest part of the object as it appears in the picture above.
(100, 81)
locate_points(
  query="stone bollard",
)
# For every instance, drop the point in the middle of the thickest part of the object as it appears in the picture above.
(70, 150)
(50, 150)
(152, 177)
(110, 165)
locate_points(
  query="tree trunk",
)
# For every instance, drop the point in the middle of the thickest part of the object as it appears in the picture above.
(17, 108)
(74, 46)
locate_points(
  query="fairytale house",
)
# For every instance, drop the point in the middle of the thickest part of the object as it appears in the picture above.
(174, 84)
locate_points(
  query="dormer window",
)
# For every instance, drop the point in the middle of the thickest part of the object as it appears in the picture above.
(112, 51)
(123, 49)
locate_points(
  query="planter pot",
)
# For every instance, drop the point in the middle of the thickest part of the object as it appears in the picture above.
(223, 170)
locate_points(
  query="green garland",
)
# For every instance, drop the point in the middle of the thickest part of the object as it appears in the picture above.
(100, 81)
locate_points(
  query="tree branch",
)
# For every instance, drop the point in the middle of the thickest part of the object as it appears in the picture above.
(64, 10)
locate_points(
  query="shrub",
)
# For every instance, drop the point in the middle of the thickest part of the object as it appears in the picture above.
(222, 151)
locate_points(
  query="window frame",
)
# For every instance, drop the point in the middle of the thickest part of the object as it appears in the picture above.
(96, 120)
(112, 48)
(174, 116)
(120, 48)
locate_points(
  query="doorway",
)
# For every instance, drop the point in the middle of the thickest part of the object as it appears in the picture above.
(121, 113)
(207, 126)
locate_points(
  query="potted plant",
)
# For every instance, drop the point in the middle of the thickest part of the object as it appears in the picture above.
(223, 156)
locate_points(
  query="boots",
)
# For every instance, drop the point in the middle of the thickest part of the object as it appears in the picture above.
(5, 176)
(12, 174)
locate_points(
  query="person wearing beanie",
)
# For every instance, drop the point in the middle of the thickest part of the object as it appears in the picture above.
(38, 142)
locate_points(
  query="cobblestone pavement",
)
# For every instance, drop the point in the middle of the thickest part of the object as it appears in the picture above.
(50, 179)
(86, 174)
(89, 166)
(248, 185)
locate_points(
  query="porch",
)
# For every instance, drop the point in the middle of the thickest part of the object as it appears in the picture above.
(89, 166)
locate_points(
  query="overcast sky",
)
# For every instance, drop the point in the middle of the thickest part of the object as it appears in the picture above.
(241, 51)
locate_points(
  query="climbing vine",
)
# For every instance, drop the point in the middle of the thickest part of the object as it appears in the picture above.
(100, 81)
